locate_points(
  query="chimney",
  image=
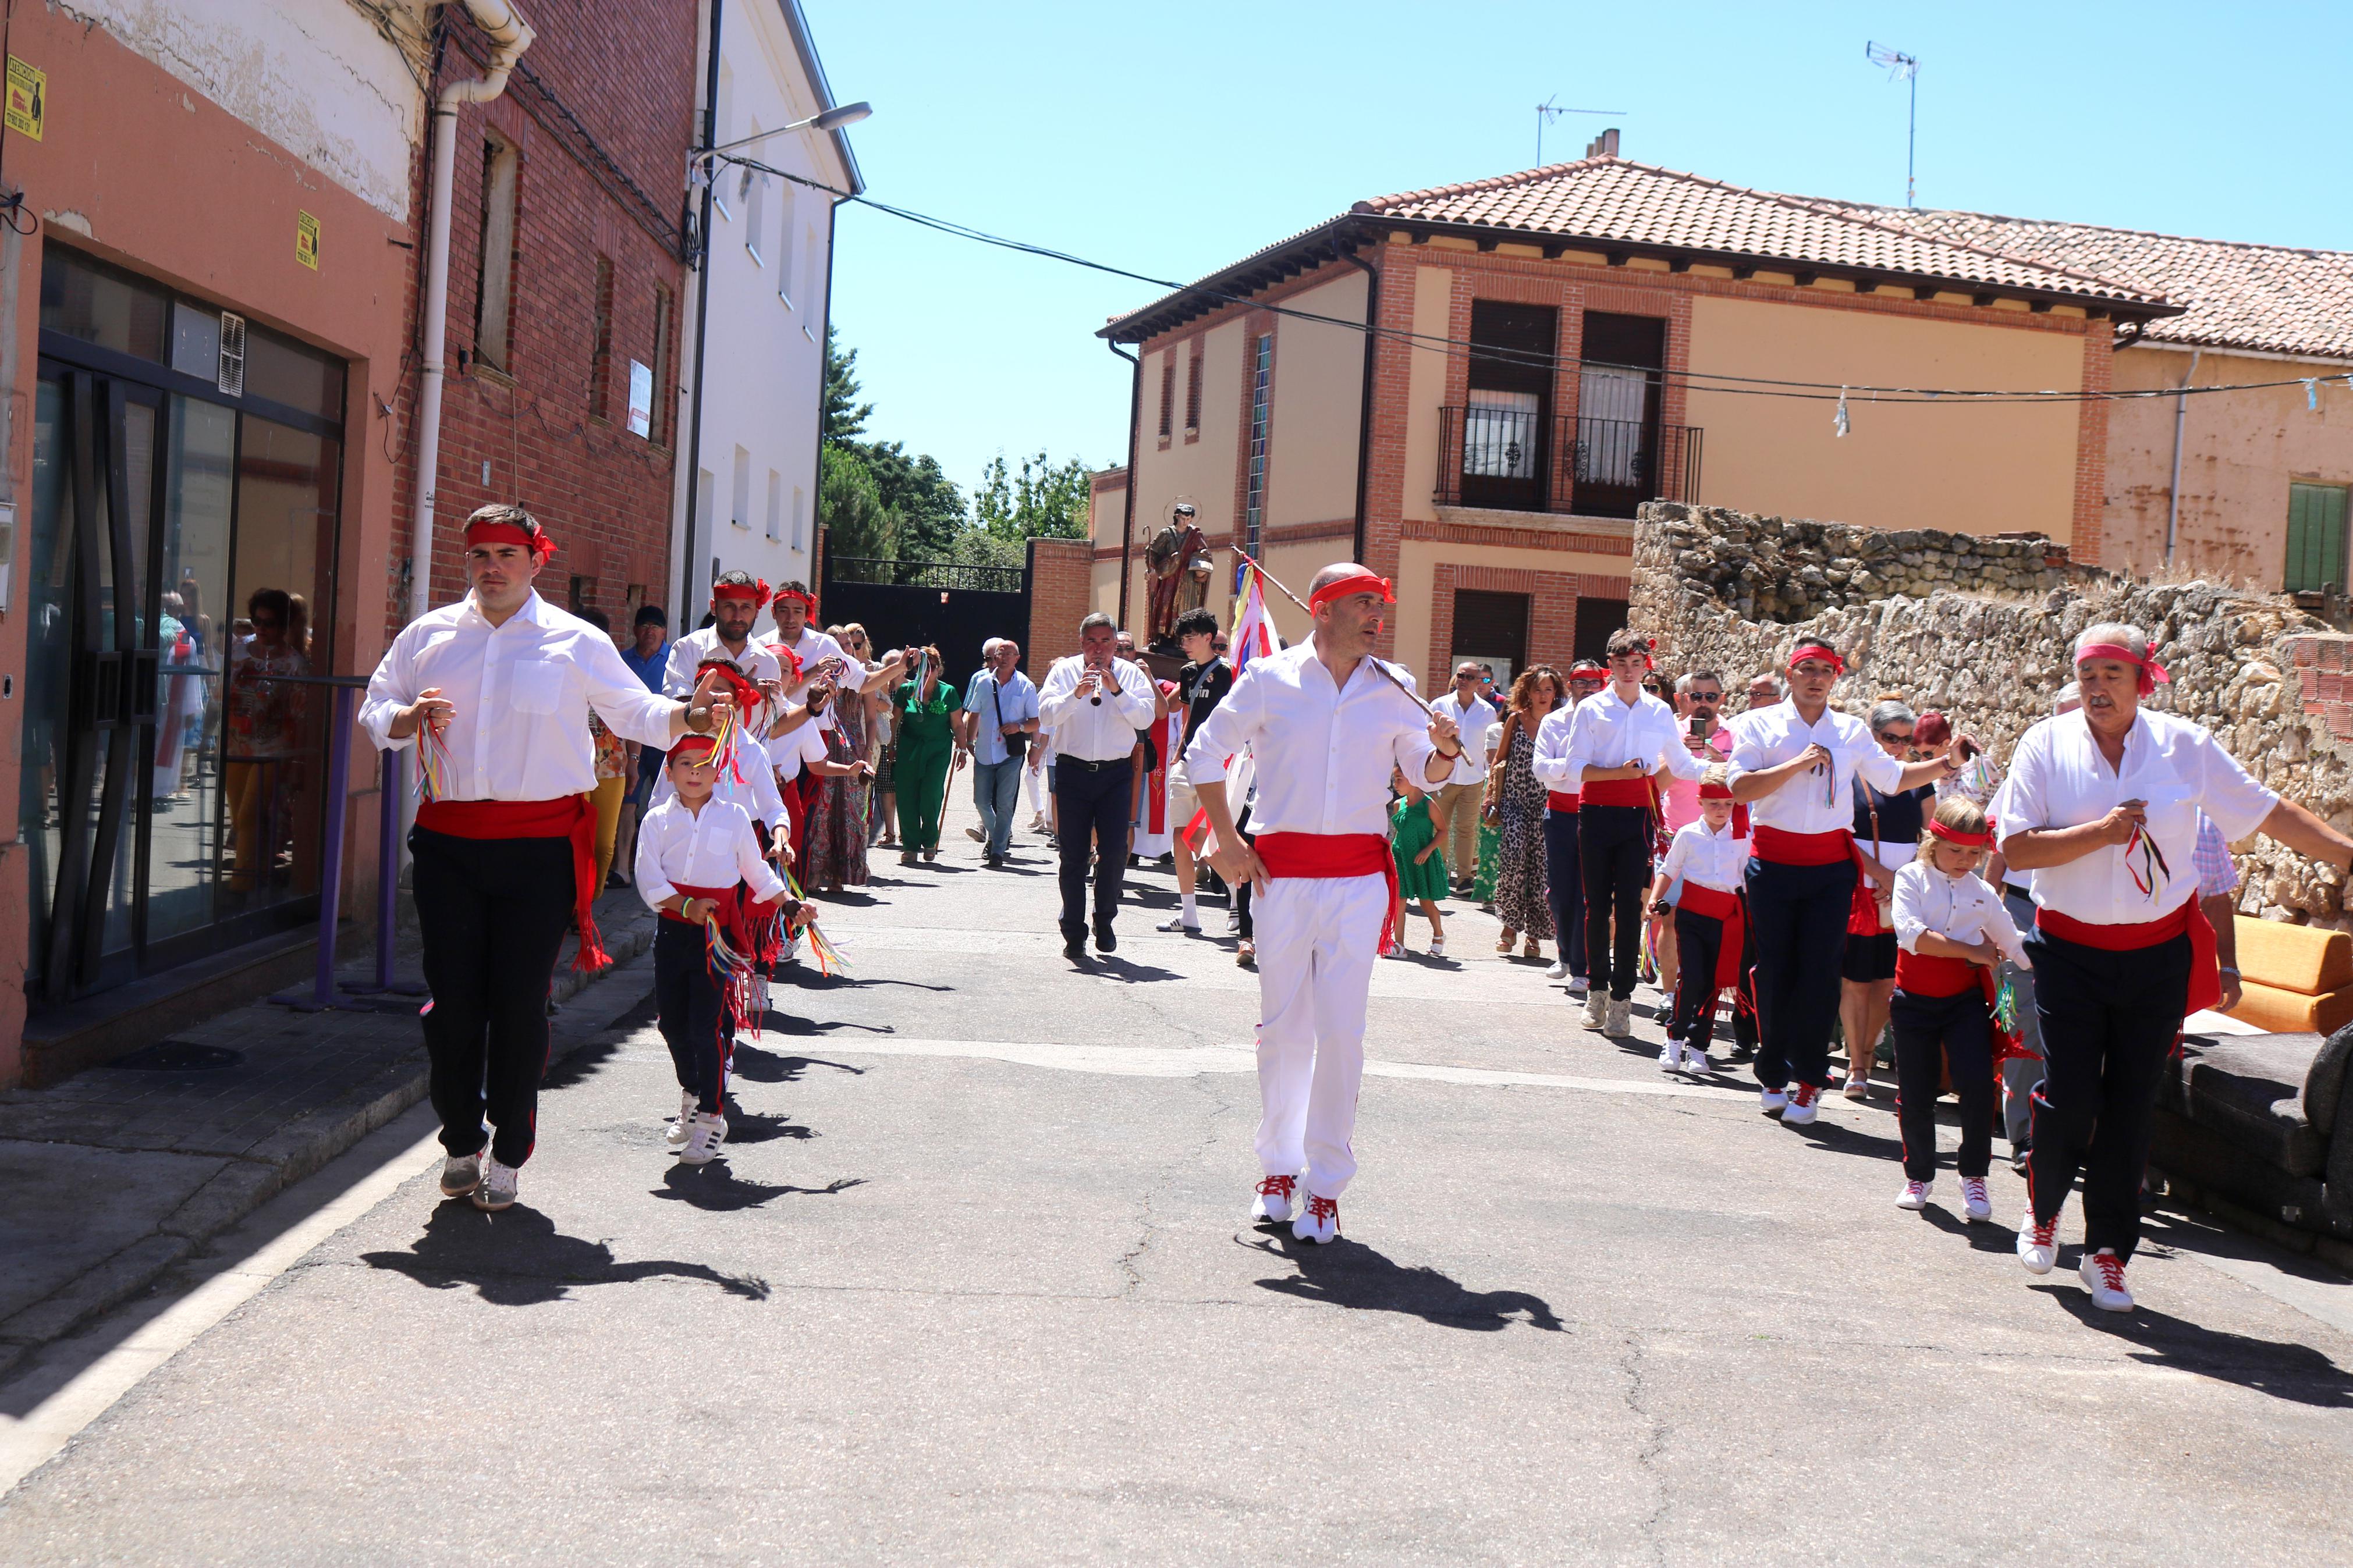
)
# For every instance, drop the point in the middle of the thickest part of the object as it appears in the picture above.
(1604, 145)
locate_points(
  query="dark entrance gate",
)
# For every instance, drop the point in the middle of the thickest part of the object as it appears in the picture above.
(944, 603)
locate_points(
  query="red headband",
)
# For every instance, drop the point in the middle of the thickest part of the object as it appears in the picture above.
(1828, 655)
(807, 601)
(755, 592)
(1714, 792)
(692, 747)
(789, 658)
(2151, 672)
(498, 532)
(746, 695)
(1955, 836)
(1362, 583)
(1648, 646)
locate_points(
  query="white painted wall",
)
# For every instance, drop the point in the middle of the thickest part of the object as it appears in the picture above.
(764, 346)
(318, 77)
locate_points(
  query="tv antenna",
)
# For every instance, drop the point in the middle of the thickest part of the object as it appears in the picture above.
(1904, 68)
(1549, 110)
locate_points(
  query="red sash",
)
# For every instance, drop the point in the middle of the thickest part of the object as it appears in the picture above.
(1728, 908)
(1332, 855)
(1919, 975)
(742, 920)
(1640, 793)
(572, 816)
(1560, 800)
(1779, 847)
(2205, 968)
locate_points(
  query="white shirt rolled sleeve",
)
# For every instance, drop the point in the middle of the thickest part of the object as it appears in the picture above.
(1711, 857)
(1473, 720)
(1550, 762)
(1610, 733)
(1959, 908)
(1321, 753)
(1767, 737)
(711, 849)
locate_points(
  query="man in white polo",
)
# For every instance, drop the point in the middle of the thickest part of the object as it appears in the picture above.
(1459, 800)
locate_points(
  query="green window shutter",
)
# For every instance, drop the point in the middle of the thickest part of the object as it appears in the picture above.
(2316, 537)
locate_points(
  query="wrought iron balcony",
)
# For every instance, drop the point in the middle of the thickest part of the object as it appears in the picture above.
(1518, 460)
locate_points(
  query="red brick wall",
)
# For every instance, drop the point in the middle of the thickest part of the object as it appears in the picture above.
(627, 75)
(1060, 593)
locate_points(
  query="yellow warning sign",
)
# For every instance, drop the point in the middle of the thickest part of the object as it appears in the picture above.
(306, 240)
(28, 94)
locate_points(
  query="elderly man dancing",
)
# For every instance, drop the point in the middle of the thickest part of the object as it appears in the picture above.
(1324, 723)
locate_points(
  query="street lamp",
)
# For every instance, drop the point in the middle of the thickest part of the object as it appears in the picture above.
(831, 119)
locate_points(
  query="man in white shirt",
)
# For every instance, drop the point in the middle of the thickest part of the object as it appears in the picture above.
(736, 600)
(1564, 877)
(500, 686)
(1794, 764)
(1613, 749)
(1325, 726)
(1456, 802)
(1094, 703)
(2102, 809)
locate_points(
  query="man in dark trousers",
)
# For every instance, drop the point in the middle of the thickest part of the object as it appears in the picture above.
(1201, 684)
(1094, 703)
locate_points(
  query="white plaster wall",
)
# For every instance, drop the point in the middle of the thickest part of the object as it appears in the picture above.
(318, 77)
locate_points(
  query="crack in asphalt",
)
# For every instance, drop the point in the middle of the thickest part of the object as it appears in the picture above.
(1646, 1457)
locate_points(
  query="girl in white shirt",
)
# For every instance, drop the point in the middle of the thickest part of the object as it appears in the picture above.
(1951, 932)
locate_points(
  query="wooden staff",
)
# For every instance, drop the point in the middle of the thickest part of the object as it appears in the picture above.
(1391, 675)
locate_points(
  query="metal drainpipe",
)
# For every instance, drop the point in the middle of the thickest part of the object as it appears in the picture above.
(1365, 415)
(510, 37)
(825, 342)
(683, 616)
(2180, 416)
(1127, 518)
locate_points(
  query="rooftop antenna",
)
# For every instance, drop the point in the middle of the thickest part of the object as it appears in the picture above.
(1549, 110)
(1904, 68)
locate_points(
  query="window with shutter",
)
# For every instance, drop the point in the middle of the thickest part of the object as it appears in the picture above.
(1596, 619)
(1491, 628)
(2315, 538)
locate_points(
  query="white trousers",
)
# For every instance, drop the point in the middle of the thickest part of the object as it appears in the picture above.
(1317, 938)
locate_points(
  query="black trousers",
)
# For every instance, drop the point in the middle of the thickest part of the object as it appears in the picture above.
(1699, 943)
(696, 1022)
(1929, 1032)
(1092, 807)
(1613, 851)
(2108, 1024)
(493, 913)
(1564, 886)
(1799, 913)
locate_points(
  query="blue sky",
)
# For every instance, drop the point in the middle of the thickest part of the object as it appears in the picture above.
(1173, 140)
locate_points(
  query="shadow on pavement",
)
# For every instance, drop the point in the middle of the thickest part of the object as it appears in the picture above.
(518, 1258)
(715, 1189)
(1349, 1274)
(1113, 967)
(2295, 1373)
(755, 1066)
(1982, 1238)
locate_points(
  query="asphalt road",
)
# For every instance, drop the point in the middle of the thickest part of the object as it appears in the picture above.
(974, 1283)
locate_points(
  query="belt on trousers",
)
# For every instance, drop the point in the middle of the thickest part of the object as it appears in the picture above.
(1323, 856)
(1718, 905)
(572, 816)
(1640, 793)
(1088, 765)
(1781, 847)
(1561, 800)
(2205, 976)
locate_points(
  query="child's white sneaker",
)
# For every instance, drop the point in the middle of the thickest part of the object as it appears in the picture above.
(702, 1143)
(676, 1133)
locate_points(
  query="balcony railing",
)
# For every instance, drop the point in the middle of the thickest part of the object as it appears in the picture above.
(1517, 460)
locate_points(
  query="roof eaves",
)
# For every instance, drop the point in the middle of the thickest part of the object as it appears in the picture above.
(1223, 286)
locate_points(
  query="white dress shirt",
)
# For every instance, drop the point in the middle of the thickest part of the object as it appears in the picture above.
(1094, 732)
(1473, 720)
(1607, 731)
(804, 743)
(757, 795)
(1768, 737)
(2058, 779)
(810, 647)
(1549, 761)
(1959, 908)
(1321, 752)
(687, 654)
(1712, 857)
(714, 848)
(520, 695)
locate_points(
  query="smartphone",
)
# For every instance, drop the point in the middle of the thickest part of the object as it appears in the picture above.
(1699, 725)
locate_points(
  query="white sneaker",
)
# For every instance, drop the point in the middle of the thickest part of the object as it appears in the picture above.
(1974, 1201)
(1622, 1018)
(1178, 922)
(1558, 971)
(1774, 1101)
(2038, 1244)
(1276, 1196)
(1695, 1059)
(2103, 1276)
(500, 1182)
(1579, 985)
(1319, 1223)
(461, 1174)
(676, 1133)
(1915, 1194)
(1597, 1010)
(702, 1143)
(1802, 1108)
(1671, 1055)
(1233, 920)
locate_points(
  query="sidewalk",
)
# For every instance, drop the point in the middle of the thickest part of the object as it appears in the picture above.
(119, 1172)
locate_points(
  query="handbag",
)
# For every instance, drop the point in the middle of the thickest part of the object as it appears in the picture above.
(1016, 744)
(1872, 910)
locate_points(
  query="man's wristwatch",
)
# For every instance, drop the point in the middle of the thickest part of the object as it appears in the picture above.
(2228, 969)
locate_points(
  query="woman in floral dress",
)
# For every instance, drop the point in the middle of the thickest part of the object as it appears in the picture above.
(1516, 797)
(836, 853)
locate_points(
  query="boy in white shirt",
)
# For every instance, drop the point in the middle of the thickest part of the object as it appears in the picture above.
(1709, 855)
(1951, 932)
(697, 864)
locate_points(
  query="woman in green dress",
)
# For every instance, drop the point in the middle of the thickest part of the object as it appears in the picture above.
(1413, 839)
(926, 705)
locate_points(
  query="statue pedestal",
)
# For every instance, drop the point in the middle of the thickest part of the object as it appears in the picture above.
(1162, 661)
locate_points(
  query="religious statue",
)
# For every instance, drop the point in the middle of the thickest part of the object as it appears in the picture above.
(1178, 564)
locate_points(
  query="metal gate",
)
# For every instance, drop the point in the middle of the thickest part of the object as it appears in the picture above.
(944, 603)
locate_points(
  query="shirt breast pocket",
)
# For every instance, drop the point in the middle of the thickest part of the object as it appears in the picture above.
(536, 687)
(2172, 813)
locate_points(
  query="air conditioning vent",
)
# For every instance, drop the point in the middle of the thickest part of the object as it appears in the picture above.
(232, 354)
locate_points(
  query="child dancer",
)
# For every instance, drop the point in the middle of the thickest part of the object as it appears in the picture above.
(699, 865)
(1950, 934)
(1709, 855)
(1413, 840)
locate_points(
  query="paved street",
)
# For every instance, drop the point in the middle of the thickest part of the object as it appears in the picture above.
(973, 1283)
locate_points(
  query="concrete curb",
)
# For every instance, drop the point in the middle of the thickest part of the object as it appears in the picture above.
(301, 1149)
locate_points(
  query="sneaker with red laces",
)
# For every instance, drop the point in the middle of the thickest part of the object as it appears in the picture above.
(2104, 1277)
(1275, 1198)
(1801, 1110)
(1974, 1203)
(1320, 1221)
(2038, 1244)
(1915, 1194)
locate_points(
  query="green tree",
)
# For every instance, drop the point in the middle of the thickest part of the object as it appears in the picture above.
(929, 505)
(850, 509)
(842, 417)
(1044, 500)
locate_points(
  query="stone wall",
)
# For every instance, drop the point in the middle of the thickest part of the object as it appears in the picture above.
(1981, 632)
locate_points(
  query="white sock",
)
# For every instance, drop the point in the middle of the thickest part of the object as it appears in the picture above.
(1184, 900)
